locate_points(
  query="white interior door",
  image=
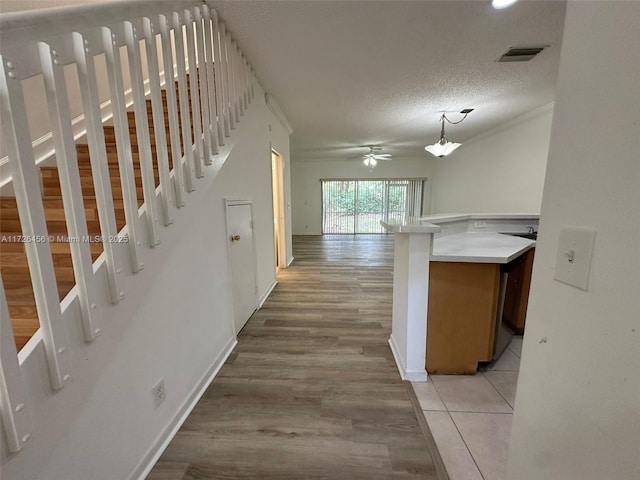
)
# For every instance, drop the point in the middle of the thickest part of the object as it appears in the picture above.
(243, 261)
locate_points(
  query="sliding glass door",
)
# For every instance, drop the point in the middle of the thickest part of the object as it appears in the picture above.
(357, 206)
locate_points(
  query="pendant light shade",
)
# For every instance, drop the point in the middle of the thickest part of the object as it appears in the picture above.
(444, 147)
(500, 4)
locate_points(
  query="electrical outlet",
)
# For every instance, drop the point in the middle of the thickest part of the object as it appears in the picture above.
(159, 392)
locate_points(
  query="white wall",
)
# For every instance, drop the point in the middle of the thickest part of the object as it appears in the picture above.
(500, 171)
(577, 412)
(307, 193)
(175, 323)
(254, 155)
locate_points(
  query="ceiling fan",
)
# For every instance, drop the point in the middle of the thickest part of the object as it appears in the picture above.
(371, 158)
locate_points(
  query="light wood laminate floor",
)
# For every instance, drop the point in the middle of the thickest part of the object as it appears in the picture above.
(312, 390)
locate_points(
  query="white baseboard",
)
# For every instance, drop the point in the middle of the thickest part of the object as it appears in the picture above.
(396, 356)
(159, 446)
(415, 376)
(290, 261)
(264, 296)
(409, 375)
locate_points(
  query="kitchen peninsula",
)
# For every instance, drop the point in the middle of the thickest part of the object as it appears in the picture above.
(451, 280)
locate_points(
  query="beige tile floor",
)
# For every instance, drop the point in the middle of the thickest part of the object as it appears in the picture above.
(470, 416)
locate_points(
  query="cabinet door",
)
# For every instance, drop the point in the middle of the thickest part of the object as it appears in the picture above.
(517, 293)
(463, 301)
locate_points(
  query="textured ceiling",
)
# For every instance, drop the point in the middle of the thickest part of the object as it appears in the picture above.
(354, 73)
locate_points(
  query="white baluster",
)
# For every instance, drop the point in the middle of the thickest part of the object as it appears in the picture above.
(70, 186)
(157, 110)
(204, 87)
(253, 74)
(226, 66)
(233, 106)
(111, 47)
(201, 148)
(172, 109)
(26, 185)
(99, 160)
(236, 63)
(13, 404)
(241, 80)
(238, 78)
(245, 82)
(142, 130)
(220, 79)
(208, 41)
(184, 99)
(247, 77)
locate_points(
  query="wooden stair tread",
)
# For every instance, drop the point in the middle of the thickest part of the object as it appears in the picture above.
(24, 312)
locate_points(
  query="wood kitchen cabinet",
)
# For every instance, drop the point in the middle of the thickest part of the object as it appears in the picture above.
(463, 302)
(517, 292)
(463, 308)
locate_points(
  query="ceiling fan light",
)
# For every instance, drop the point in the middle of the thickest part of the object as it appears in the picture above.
(500, 4)
(442, 148)
(370, 162)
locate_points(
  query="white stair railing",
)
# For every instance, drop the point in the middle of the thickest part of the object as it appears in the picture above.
(26, 185)
(13, 411)
(111, 43)
(200, 57)
(70, 186)
(172, 111)
(98, 157)
(162, 155)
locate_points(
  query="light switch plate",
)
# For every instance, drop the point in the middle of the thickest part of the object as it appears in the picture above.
(573, 259)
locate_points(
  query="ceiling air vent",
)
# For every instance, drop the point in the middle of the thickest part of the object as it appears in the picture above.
(520, 54)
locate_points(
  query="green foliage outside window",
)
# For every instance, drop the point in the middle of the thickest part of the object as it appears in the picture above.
(357, 206)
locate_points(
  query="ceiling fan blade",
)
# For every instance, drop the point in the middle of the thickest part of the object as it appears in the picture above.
(373, 154)
(388, 159)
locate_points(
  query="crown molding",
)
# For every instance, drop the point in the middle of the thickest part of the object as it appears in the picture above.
(277, 112)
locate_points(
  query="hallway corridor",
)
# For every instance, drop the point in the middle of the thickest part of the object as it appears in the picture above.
(311, 390)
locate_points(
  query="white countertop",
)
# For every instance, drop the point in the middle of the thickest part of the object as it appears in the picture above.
(479, 248)
(469, 246)
(412, 225)
(456, 217)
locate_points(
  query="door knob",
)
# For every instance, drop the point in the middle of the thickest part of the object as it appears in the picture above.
(235, 237)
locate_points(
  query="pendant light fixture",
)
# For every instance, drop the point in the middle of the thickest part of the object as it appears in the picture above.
(500, 4)
(444, 147)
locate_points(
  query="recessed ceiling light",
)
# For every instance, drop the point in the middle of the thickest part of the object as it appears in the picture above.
(500, 4)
